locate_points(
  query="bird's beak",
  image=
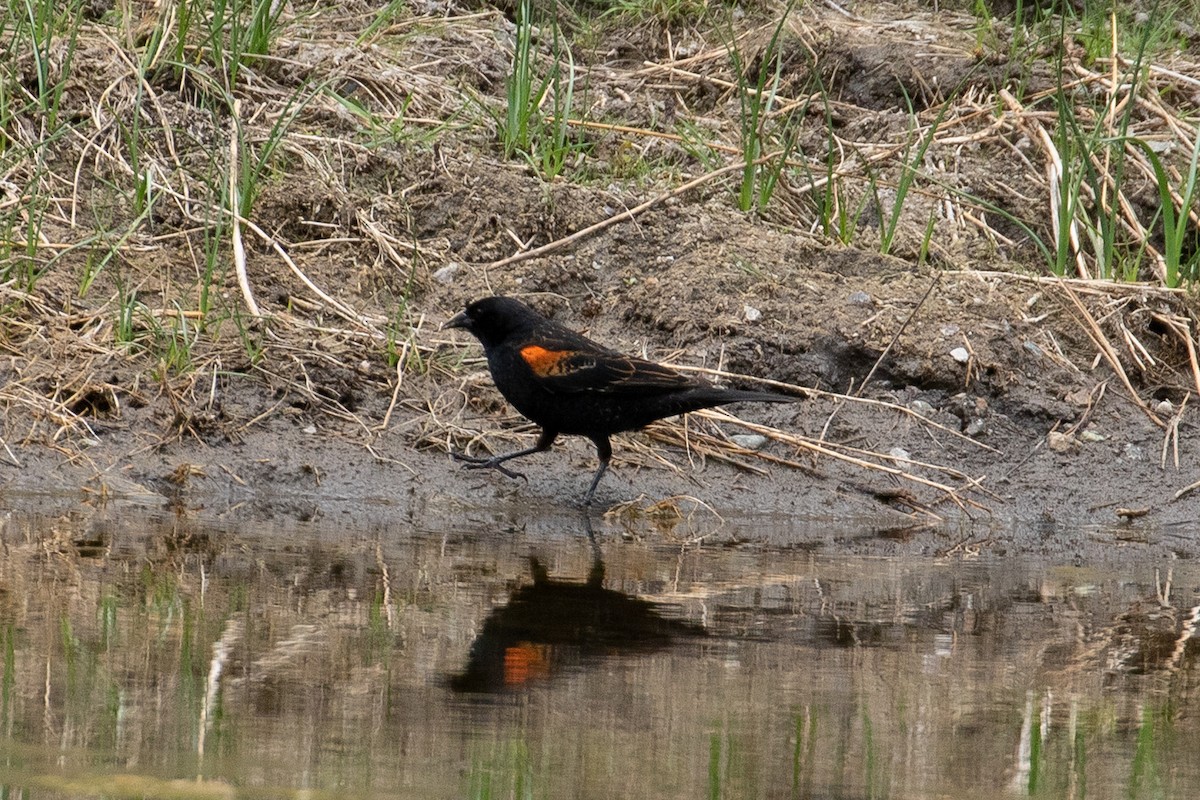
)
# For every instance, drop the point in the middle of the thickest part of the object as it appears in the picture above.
(459, 320)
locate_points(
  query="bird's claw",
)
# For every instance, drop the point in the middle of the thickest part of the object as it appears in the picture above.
(495, 462)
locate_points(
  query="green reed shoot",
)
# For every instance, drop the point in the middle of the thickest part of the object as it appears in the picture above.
(662, 11)
(257, 162)
(238, 32)
(522, 94)
(1093, 169)
(9, 679)
(383, 18)
(1177, 226)
(756, 100)
(47, 23)
(910, 164)
(544, 141)
(837, 217)
(553, 144)
(124, 331)
(215, 236)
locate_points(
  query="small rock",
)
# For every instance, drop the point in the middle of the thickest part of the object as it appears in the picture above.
(922, 408)
(752, 313)
(1061, 442)
(1033, 349)
(309, 429)
(949, 330)
(975, 427)
(1080, 397)
(1165, 408)
(960, 355)
(447, 273)
(1133, 453)
(900, 454)
(1090, 437)
(859, 299)
(749, 441)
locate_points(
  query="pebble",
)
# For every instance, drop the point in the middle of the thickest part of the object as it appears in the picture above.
(1080, 397)
(1060, 442)
(1033, 349)
(1090, 437)
(922, 408)
(752, 313)
(309, 429)
(1165, 408)
(446, 274)
(960, 355)
(900, 454)
(749, 441)
(975, 427)
(859, 299)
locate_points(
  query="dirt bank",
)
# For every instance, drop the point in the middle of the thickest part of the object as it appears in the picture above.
(955, 381)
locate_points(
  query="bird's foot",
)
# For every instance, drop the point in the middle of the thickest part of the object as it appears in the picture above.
(495, 462)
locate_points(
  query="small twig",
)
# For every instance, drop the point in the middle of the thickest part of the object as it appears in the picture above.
(805, 391)
(342, 310)
(807, 444)
(628, 214)
(12, 457)
(239, 249)
(896, 336)
(387, 417)
(1191, 487)
(1182, 328)
(1106, 350)
(1171, 436)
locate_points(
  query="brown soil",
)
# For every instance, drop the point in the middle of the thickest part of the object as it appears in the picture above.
(302, 414)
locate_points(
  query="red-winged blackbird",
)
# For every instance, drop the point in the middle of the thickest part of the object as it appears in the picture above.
(567, 383)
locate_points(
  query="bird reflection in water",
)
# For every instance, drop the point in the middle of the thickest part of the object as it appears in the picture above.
(554, 625)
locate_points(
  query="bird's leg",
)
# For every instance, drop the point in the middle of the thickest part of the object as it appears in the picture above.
(496, 462)
(604, 451)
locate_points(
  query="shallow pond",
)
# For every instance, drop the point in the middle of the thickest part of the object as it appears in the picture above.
(163, 656)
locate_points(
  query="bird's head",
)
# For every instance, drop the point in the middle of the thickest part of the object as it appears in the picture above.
(493, 319)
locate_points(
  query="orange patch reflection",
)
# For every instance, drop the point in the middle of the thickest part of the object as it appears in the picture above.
(524, 662)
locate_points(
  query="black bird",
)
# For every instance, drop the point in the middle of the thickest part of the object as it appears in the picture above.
(566, 383)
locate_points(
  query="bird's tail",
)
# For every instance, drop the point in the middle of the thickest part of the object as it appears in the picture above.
(723, 396)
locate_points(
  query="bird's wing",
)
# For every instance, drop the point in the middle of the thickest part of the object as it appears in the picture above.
(569, 370)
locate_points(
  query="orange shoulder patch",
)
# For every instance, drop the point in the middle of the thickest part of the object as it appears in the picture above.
(544, 362)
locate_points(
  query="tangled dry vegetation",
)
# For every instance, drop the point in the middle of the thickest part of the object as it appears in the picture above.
(200, 236)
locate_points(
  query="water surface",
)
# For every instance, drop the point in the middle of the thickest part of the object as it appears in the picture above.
(164, 656)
